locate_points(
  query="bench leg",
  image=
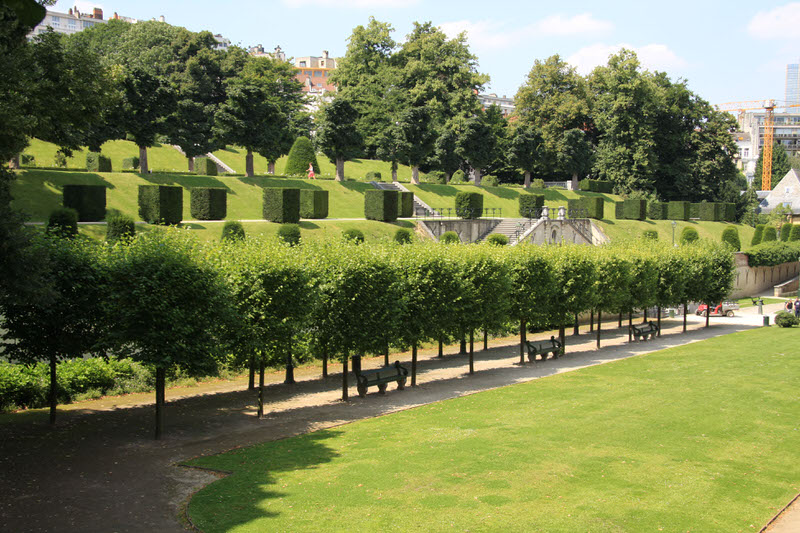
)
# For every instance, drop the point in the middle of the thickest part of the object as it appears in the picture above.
(382, 388)
(362, 391)
(401, 384)
(531, 357)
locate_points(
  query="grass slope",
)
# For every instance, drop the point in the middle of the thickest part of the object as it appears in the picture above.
(161, 158)
(702, 437)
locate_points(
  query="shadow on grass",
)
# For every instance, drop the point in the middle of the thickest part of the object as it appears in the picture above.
(266, 182)
(304, 224)
(39, 192)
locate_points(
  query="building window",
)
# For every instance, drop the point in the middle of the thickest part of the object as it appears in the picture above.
(317, 74)
(55, 22)
(302, 63)
(747, 152)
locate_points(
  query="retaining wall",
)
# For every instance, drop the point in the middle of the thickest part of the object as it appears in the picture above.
(751, 281)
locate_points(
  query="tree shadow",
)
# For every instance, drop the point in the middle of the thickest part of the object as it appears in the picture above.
(502, 192)
(266, 182)
(188, 181)
(37, 193)
(304, 224)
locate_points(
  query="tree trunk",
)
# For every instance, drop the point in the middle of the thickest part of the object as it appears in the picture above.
(476, 173)
(251, 381)
(415, 175)
(271, 167)
(394, 171)
(13, 164)
(190, 163)
(523, 330)
(53, 390)
(562, 338)
(325, 361)
(708, 314)
(248, 164)
(161, 375)
(463, 347)
(620, 319)
(485, 340)
(447, 177)
(289, 365)
(414, 364)
(644, 320)
(260, 388)
(339, 169)
(591, 321)
(630, 326)
(143, 167)
(441, 348)
(527, 179)
(575, 182)
(658, 314)
(685, 308)
(577, 329)
(599, 325)
(344, 376)
(471, 351)
(386, 355)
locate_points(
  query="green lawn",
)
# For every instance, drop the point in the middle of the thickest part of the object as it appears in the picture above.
(633, 229)
(747, 302)
(160, 158)
(702, 437)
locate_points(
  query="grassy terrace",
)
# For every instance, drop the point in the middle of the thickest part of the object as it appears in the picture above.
(702, 437)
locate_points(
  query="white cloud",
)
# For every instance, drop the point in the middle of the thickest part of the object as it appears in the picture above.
(651, 56)
(368, 4)
(781, 23)
(583, 24)
(481, 34)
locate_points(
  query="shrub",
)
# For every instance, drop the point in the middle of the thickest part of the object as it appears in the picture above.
(458, 177)
(161, 204)
(282, 205)
(537, 183)
(313, 203)
(209, 203)
(232, 231)
(88, 200)
(585, 185)
(786, 229)
(785, 319)
(678, 210)
(711, 211)
(373, 176)
(770, 234)
(353, 235)
(97, 162)
(657, 211)
(450, 237)
(436, 176)
(289, 233)
(794, 235)
(469, 205)
(694, 211)
(205, 166)
(381, 205)
(130, 163)
(689, 235)
(497, 239)
(63, 222)
(27, 159)
(772, 253)
(619, 210)
(590, 185)
(405, 204)
(301, 154)
(758, 234)
(119, 227)
(60, 160)
(490, 181)
(530, 204)
(594, 206)
(730, 235)
(729, 212)
(402, 236)
(650, 234)
(634, 209)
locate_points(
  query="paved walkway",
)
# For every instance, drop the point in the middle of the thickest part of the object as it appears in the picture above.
(98, 469)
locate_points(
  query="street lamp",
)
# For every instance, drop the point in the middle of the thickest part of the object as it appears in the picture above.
(674, 225)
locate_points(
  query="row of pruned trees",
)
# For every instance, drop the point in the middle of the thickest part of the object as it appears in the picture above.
(166, 300)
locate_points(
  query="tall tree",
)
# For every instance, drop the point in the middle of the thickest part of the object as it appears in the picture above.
(337, 134)
(415, 138)
(524, 150)
(477, 144)
(780, 165)
(445, 151)
(575, 154)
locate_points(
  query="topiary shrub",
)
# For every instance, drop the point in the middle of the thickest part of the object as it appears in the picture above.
(289, 234)
(232, 231)
(161, 204)
(785, 319)
(97, 162)
(634, 209)
(402, 236)
(282, 205)
(786, 229)
(585, 185)
(537, 183)
(729, 212)
(381, 205)
(63, 222)
(373, 176)
(490, 181)
(593, 206)
(205, 166)
(657, 211)
(758, 234)
(436, 176)
(530, 205)
(730, 235)
(650, 235)
(313, 203)
(770, 234)
(469, 205)
(405, 204)
(619, 210)
(689, 235)
(209, 203)
(678, 210)
(88, 200)
(710, 211)
(458, 177)
(694, 211)
(794, 235)
(497, 239)
(301, 154)
(450, 237)
(353, 235)
(120, 227)
(130, 163)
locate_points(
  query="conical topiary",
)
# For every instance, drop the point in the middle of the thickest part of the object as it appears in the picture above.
(301, 154)
(731, 236)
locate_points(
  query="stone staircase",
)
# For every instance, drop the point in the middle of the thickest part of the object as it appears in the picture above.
(511, 228)
(221, 166)
(420, 207)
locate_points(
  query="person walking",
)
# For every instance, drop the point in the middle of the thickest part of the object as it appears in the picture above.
(797, 306)
(311, 174)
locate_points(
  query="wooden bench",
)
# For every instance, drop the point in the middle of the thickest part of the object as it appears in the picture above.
(543, 348)
(645, 331)
(379, 376)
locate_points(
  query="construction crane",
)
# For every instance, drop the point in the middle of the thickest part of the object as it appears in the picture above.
(768, 106)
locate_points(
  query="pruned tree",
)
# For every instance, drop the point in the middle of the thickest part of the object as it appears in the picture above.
(337, 135)
(524, 150)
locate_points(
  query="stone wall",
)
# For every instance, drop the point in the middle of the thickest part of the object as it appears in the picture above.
(576, 231)
(751, 281)
(467, 230)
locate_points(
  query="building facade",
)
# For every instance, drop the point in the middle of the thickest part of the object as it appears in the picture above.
(793, 84)
(68, 23)
(314, 73)
(505, 104)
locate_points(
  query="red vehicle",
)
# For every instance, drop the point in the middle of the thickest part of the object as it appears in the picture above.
(721, 309)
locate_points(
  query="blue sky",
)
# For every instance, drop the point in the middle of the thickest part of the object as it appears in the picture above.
(728, 51)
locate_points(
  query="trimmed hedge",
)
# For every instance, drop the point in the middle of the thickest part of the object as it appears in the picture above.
(694, 211)
(758, 234)
(161, 204)
(730, 235)
(97, 162)
(289, 233)
(436, 176)
(402, 236)
(689, 235)
(458, 177)
(300, 155)
(450, 237)
(657, 211)
(354, 235)
(785, 319)
(88, 200)
(729, 212)
(205, 166)
(282, 205)
(381, 205)
(786, 229)
(588, 206)
(490, 181)
(405, 204)
(619, 210)
(678, 210)
(537, 183)
(711, 211)
(232, 231)
(770, 234)
(209, 203)
(497, 239)
(530, 204)
(63, 222)
(634, 209)
(130, 163)
(313, 203)
(794, 235)
(119, 227)
(590, 185)
(373, 175)
(773, 253)
(469, 205)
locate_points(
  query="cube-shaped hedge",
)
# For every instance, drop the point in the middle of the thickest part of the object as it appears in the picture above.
(586, 207)
(601, 186)
(606, 187)
(729, 212)
(619, 210)
(313, 203)
(657, 210)
(97, 162)
(405, 204)
(205, 166)
(209, 203)
(282, 205)
(88, 200)
(678, 210)
(711, 211)
(694, 211)
(381, 205)
(530, 205)
(469, 205)
(161, 204)
(130, 163)
(634, 209)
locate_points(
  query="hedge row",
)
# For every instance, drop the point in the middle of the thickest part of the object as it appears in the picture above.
(209, 203)
(96, 162)
(88, 200)
(161, 204)
(530, 205)
(205, 166)
(381, 205)
(773, 253)
(586, 207)
(282, 205)
(636, 209)
(469, 205)
(313, 203)
(589, 185)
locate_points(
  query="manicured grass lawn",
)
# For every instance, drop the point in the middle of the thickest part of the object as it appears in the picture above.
(703, 437)
(633, 229)
(160, 158)
(747, 302)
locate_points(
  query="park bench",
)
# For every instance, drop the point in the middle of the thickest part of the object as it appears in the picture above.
(644, 331)
(543, 348)
(379, 376)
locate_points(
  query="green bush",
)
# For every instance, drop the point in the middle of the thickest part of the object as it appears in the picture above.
(694, 211)
(314, 203)
(458, 177)
(97, 162)
(469, 205)
(634, 209)
(381, 205)
(289, 233)
(88, 200)
(758, 234)
(436, 177)
(373, 175)
(232, 231)
(120, 227)
(353, 235)
(729, 212)
(657, 211)
(794, 235)
(785, 319)
(786, 230)
(530, 204)
(27, 159)
(205, 166)
(711, 211)
(490, 181)
(301, 154)
(594, 206)
(405, 204)
(497, 239)
(770, 234)
(282, 205)
(772, 253)
(63, 222)
(689, 235)
(678, 210)
(402, 236)
(130, 163)
(650, 235)
(450, 237)
(601, 186)
(537, 183)
(209, 203)
(161, 204)
(619, 210)
(60, 160)
(730, 235)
